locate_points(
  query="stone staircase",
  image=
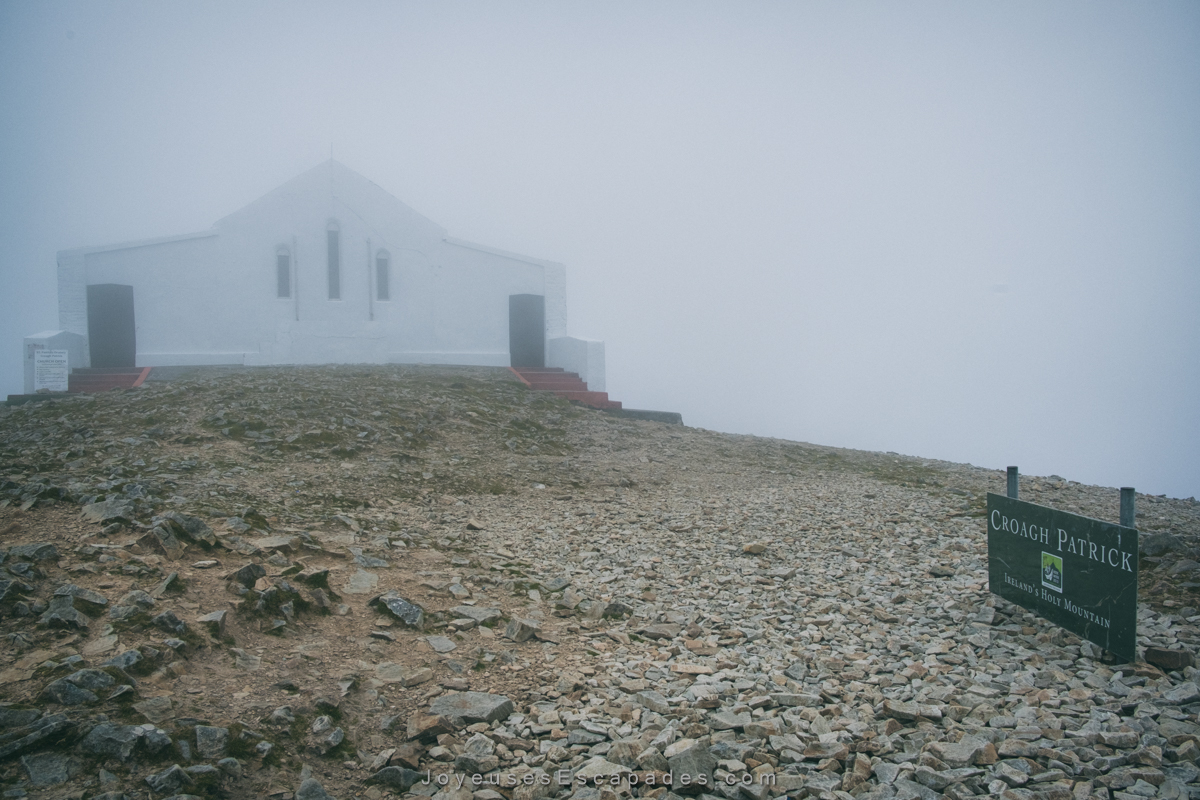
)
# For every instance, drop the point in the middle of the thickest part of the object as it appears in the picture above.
(101, 379)
(563, 384)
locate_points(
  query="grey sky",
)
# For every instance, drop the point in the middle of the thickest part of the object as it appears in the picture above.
(967, 231)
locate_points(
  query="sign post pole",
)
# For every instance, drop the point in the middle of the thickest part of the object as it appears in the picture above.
(1128, 507)
(1012, 482)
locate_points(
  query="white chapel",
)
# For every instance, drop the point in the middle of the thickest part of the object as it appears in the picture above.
(327, 268)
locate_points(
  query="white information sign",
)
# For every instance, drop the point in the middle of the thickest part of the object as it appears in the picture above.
(50, 370)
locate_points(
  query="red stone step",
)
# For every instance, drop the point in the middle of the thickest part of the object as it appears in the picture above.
(598, 399)
(564, 384)
(92, 380)
(561, 384)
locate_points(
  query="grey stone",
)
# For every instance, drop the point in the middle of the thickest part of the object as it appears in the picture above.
(135, 598)
(408, 613)
(580, 736)
(364, 560)
(727, 720)
(886, 772)
(625, 753)
(652, 759)
(171, 780)
(66, 693)
(50, 769)
(248, 575)
(42, 551)
(335, 738)
(156, 709)
(398, 778)
(662, 630)
(441, 644)
(478, 756)
(1182, 694)
(154, 740)
(1157, 544)
(598, 767)
(570, 600)
(796, 671)
(520, 630)
(112, 741)
(472, 706)
(728, 749)
(128, 661)
(689, 760)
(83, 595)
(482, 616)
(166, 542)
(11, 717)
(794, 699)
(61, 613)
(910, 790)
(164, 585)
(101, 645)
(189, 527)
(41, 732)
(653, 701)
(91, 679)
(169, 622)
(473, 764)
(116, 509)
(244, 660)
(214, 623)
(310, 789)
(361, 582)
(960, 754)
(12, 590)
(211, 742)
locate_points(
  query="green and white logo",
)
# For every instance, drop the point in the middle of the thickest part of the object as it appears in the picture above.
(1052, 576)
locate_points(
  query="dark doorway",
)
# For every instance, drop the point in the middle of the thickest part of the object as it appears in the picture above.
(112, 339)
(527, 330)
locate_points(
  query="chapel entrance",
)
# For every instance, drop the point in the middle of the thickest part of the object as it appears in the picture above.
(112, 337)
(527, 330)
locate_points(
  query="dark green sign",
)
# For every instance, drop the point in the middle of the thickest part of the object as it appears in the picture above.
(1074, 571)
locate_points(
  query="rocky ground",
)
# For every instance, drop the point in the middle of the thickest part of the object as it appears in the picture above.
(372, 582)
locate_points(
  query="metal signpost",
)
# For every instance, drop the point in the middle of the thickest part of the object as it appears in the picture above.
(1077, 572)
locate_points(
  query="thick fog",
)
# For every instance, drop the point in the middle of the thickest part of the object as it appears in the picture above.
(965, 231)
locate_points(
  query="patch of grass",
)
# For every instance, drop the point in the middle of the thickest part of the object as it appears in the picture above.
(240, 746)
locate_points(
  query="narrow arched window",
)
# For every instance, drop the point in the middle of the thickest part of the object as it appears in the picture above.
(383, 266)
(283, 272)
(333, 238)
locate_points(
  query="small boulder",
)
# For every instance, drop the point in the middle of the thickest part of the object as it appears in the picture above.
(248, 575)
(211, 742)
(311, 789)
(520, 630)
(409, 613)
(397, 778)
(49, 769)
(61, 613)
(42, 551)
(171, 780)
(214, 623)
(472, 706)
(109, 740)
(117, 509)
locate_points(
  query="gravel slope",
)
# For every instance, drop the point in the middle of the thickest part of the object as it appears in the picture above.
(654, 601)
